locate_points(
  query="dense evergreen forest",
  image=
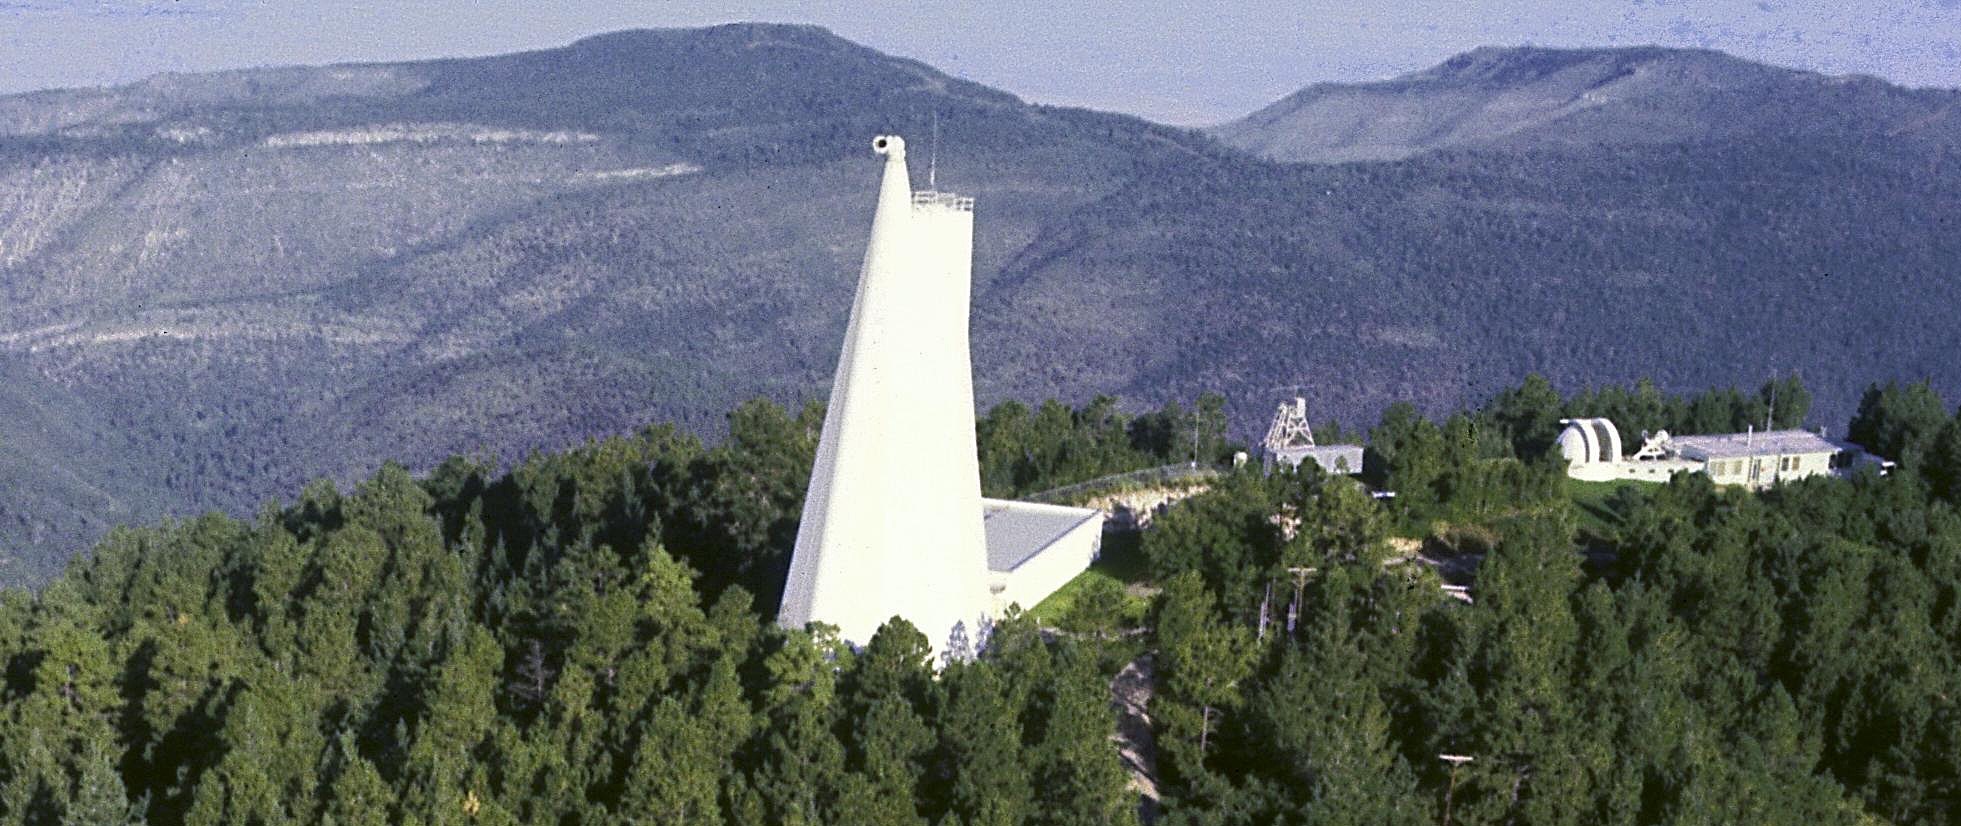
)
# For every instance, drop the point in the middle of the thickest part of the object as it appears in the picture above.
(1714, 656)
(586, 638)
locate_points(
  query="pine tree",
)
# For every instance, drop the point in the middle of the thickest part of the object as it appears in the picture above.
(1521, 668)
(1340, 525)
(1077, 775)
(356, 795)
(1527, 416)
(673, 778)
(1201, 663)
(1898, 421)
(248, 784)
(801, 767)
(1227, 535)
(1098, 609)
(1943, 463)
(891, 683)
(979, 761)
(1323, 732)
(1786, 400)
(458, 715)
(99, 798)
(1405, 455)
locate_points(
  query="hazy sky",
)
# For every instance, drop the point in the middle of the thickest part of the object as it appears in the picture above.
(1178, 62)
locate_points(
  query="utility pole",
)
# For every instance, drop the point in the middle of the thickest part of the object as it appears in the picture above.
(1454, 760)
(1300, 585)
(1194, 436)
(1264, 602)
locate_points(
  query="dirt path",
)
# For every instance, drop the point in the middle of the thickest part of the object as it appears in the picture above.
(1130, 695)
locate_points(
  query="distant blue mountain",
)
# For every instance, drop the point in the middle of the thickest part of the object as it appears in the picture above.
(1532, 98)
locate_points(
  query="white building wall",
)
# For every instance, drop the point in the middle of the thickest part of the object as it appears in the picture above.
(1764, 471)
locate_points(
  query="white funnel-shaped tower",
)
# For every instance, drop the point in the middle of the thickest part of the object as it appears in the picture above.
(892, 522)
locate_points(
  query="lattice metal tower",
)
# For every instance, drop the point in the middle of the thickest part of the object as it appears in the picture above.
(1289, 429)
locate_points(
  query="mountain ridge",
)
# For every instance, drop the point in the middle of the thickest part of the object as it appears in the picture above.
(1533, 97)
(465, 257)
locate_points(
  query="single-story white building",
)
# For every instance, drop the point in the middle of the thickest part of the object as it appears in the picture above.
(1034, 549)
(1592, 448)
(1763, 459)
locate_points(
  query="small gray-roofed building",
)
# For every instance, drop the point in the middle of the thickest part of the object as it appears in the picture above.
(1034, 549)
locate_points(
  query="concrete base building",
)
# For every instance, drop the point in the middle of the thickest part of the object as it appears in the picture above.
(893, 523)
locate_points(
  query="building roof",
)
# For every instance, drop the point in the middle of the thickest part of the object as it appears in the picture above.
(1017, 531)
(1766, 443)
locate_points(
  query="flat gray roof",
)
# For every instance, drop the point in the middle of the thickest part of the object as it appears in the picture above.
(1017, 531)
(1766, 443)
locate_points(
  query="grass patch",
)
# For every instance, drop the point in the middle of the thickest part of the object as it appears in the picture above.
(1593, 503)
(1122, 562)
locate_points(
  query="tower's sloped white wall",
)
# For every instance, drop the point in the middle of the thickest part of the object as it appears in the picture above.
(892, 524)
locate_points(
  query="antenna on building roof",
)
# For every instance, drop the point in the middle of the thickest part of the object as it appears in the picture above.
(1770, 412)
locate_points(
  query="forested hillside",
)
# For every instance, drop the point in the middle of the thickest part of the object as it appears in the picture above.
(587, 639)
(520, 649)
(1672, 653)
(245, 280)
